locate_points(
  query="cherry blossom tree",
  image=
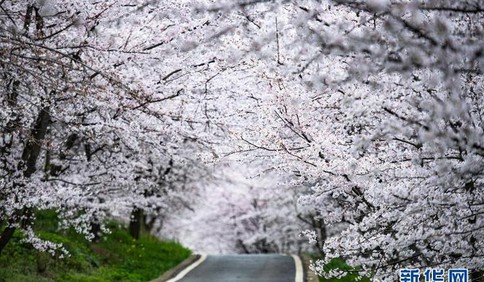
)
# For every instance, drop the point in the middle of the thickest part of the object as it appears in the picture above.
(390, 128)
(78, 136)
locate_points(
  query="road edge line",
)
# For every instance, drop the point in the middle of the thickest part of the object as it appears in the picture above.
(299, 269)
(188, 269)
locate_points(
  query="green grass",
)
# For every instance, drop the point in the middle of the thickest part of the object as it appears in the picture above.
(340, 264)
(117, 257)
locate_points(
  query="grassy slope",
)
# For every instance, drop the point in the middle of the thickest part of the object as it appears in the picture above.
(115, 258)
(338, 264)
(341, 265)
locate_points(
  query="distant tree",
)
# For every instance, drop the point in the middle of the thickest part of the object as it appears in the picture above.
(242, 213)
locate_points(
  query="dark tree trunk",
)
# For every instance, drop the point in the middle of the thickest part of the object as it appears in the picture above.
(32, 149)
(7, 234)
(321, 227)
(96, 231)
(477, 275)
(149, 223)
(28, 164)
(135, 223)
(242, 246)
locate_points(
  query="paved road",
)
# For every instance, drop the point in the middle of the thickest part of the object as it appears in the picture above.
(244, 268)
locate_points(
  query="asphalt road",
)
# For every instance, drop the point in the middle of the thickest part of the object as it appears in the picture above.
(244, 268)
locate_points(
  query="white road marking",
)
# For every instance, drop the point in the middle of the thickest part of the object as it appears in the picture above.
(299, 268)
(188, 269)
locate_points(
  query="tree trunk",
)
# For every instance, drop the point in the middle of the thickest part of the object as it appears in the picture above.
(149, 223)
(321, 227)
(477, 275)
(241, 244)
(32, 149)
(28, 164)
(7, 234)
(135, 223)
(96, 231)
